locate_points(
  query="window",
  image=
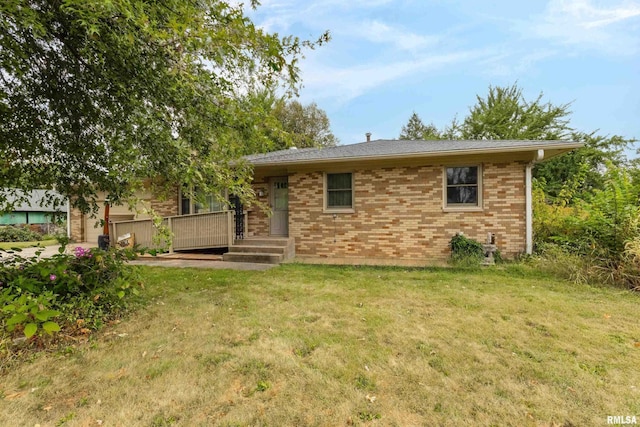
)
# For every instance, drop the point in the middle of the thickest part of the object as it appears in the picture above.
(280, 195)
(190, 205)
(339, 191)
(463, 186)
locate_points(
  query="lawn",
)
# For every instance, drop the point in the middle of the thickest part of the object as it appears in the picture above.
(317, 345)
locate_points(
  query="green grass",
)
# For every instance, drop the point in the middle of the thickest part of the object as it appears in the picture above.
(35, 244)
(326, 346)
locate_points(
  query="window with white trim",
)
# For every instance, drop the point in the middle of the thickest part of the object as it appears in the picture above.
(463, 186)
(339, 191)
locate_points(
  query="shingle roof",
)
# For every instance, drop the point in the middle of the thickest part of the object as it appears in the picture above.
(383, 148)
(34, 199)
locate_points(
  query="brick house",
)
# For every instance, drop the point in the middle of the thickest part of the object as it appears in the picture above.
(376, 202)
(398, 202)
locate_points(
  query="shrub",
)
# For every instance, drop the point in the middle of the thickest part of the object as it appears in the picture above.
(18, 234)
(465, 250)
(556, 223)
(39, 296)
(600, 233)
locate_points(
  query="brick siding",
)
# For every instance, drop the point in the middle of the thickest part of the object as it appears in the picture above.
(77, 225)
(399, 215)
(168, 206)
(257, 219)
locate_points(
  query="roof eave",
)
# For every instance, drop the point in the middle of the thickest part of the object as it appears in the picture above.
(478, 151)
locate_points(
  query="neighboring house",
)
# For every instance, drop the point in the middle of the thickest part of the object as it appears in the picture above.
(376, 202)
(36, 210)
(398, 202)
(87, 227)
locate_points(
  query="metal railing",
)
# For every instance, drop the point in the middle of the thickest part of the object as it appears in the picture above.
(196, 231)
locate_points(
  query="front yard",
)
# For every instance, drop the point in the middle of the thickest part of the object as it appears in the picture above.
(317, 345)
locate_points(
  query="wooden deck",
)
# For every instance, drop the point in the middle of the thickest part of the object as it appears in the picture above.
(197, 231)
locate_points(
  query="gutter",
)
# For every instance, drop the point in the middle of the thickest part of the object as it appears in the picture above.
(414, 155)
(68, 218)
(539, 155)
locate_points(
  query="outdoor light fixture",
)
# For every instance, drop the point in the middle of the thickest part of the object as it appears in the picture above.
(260, 192)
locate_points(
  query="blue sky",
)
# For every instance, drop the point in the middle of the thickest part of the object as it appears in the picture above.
(389, 58)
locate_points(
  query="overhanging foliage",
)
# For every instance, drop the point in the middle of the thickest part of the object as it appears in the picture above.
(99, 95)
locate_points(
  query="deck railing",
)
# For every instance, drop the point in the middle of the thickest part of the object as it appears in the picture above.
(196, 231)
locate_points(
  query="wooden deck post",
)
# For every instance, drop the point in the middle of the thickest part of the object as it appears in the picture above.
(171, 235)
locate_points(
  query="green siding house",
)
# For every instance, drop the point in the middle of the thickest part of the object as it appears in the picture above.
(35, 211)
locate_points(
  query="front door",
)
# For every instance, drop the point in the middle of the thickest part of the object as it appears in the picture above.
(279, 206)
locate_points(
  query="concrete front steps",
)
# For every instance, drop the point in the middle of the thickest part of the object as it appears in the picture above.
(265, 250)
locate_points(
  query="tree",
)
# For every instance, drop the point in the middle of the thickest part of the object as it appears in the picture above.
(306, 125)
(506, 114)
(284, 124)
(101, 95)
(415, 129)
(583, 169)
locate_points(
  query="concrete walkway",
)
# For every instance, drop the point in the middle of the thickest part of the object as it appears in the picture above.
(174, 260)
(47, 251)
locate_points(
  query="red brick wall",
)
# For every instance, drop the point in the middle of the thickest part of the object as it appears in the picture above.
(399, 214)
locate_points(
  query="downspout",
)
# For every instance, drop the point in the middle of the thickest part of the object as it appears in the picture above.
(68, 218)
(539, 155)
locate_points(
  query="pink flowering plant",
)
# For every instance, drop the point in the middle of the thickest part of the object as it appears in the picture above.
(40, 296)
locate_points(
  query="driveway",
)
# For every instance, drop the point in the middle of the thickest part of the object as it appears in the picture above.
(47, 251)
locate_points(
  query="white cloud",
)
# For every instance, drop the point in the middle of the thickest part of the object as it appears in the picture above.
(583, 13)
(344, 84)
(511, 63)
(379, 32)
(368, 51)
(385, 52)
(586, 25)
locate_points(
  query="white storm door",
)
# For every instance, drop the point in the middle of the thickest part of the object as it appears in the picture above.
(279, 206)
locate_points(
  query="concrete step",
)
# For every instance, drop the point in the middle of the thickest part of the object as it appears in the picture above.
(264, 241)
(271, 250)
(258, 249)
(261, 258)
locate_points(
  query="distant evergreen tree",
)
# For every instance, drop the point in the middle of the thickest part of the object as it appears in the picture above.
(415, 129)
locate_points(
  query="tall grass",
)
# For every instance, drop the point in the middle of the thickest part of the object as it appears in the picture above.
(597, 239)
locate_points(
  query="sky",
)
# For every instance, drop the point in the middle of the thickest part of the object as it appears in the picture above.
(390, 58)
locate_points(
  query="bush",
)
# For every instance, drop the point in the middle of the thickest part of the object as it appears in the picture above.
(556, 223)
(18, 234)
(41, 296)
(465, 250)
(600, 234)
